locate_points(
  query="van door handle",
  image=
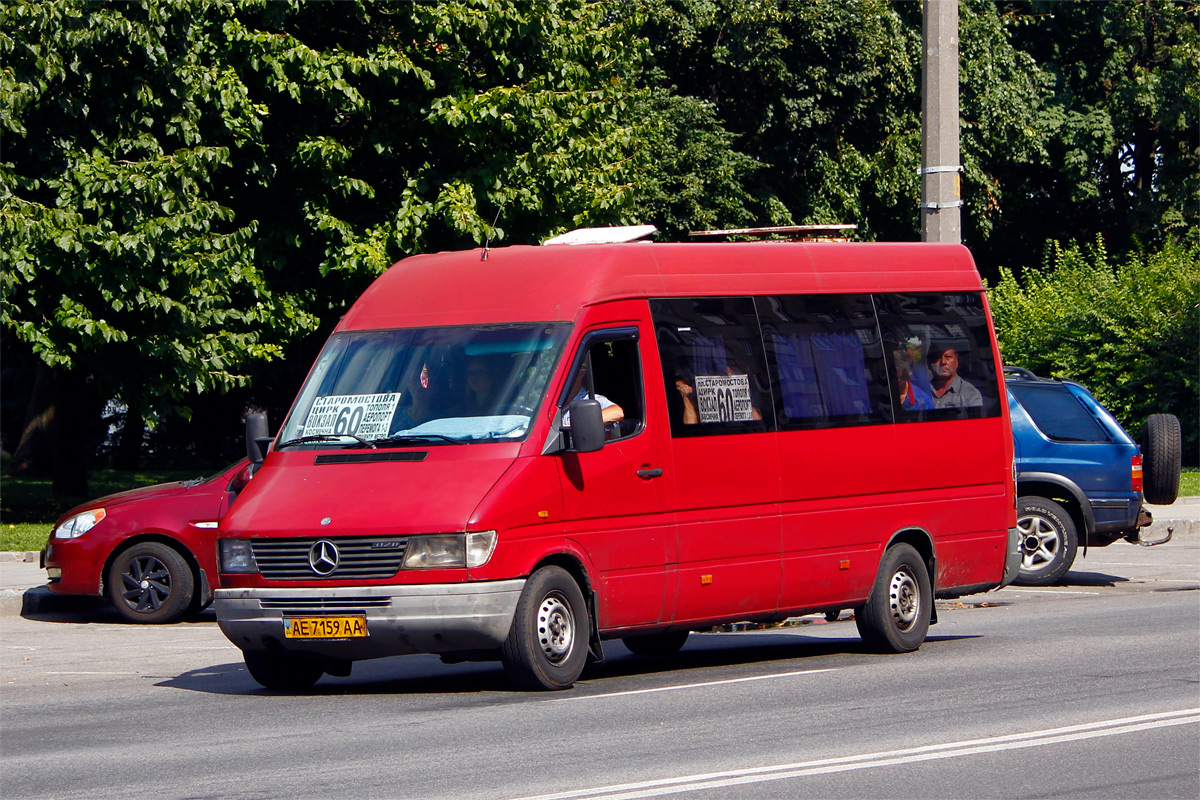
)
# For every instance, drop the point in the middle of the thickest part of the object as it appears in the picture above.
(647, 474)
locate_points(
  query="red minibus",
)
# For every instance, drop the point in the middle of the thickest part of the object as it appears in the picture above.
(518, 453)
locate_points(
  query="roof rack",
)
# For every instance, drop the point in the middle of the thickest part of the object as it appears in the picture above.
(1020, 372)
(824, 233)
(620, 233)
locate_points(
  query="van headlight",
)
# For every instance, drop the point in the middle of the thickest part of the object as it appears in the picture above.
(79, 524)
(236, 555)
(450, 550)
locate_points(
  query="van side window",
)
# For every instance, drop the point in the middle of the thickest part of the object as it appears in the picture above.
(713, 365)
(610, 371)
(826, 361)
(940, 355)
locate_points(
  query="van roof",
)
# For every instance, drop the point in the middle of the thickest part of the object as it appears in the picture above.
(545, 284)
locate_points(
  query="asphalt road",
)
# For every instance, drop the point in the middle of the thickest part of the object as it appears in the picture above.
(1088, 689)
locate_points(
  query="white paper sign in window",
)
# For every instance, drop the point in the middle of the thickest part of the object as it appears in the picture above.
(724, 398)
(365, 415)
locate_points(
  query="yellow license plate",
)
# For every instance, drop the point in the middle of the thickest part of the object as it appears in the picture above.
(324, 627)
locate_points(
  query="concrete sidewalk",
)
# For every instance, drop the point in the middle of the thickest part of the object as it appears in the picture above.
(23, 584)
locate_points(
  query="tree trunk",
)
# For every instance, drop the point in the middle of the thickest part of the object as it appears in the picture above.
(53, 442)
(32, 457)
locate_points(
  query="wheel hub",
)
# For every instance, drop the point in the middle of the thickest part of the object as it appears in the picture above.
(905, 599)
(556, 628)
(1040, 542)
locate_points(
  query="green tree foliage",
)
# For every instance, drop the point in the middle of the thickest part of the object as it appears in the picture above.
(123, 256)
(825, 95)
(188, 186)
(1130, 334)
(1121, 155)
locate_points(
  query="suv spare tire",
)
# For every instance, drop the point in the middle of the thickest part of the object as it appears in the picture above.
(1160, 459)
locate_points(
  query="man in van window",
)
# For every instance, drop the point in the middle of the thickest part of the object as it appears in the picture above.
(949, 389)
(609, 411)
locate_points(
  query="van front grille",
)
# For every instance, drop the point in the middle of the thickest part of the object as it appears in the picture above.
(311, 559)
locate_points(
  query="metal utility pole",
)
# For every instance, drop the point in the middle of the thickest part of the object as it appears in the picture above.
(941, 185)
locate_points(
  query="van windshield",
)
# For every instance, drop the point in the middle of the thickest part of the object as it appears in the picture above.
(426, 386)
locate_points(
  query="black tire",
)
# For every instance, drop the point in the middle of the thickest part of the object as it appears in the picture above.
(896, 616)
(1161, 459)
(547, 646)
(1049, 540)
(282, 673)
(150, 583)
(656, 645)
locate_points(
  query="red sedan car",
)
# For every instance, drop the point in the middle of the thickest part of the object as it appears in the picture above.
(151, 551)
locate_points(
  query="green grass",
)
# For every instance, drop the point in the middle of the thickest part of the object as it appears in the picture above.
(1189, 482)
(24, 535)
(28, 508)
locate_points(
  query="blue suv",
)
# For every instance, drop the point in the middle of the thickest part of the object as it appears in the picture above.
(1081, 478)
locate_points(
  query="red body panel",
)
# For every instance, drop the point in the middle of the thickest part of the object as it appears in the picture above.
(740, 526)
(166, 511)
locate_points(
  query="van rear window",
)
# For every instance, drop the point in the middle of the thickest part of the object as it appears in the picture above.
(1057, 413)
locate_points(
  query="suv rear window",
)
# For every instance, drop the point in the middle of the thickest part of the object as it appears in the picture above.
(1058, 413)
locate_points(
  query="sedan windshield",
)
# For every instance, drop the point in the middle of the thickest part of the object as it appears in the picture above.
(425, 386)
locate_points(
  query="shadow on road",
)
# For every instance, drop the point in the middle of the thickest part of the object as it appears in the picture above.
(1090, 579)
(83, 610)
(425, 674)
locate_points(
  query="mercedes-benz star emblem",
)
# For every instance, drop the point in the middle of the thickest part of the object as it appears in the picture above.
(323, 557)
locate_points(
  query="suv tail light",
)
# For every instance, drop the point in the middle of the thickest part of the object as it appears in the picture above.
(1135, 469)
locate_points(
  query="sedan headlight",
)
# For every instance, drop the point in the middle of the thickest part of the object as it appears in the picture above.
(450, 550)
(236, 555)
(79, 524)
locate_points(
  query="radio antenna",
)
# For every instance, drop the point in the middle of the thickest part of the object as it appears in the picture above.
(487, 244)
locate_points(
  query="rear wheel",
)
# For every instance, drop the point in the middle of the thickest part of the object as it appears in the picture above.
(150, 582)
(1161, 459)
(548, 644)
(896, 616)
(1048, 541)
(283, 673)
(656, 645)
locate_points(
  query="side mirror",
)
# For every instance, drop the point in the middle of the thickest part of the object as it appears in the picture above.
(587, 426)
(258, 438)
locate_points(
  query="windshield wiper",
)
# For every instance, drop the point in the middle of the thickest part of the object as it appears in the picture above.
(327, 437)
(413, 438)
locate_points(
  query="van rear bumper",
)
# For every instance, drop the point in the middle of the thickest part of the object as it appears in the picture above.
(401, 620)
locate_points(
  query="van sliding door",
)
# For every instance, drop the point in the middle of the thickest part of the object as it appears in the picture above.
(726, 477)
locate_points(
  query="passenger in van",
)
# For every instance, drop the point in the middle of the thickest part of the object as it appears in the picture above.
(479, 398)
(912, 397)
(687, 392)
(949, 389)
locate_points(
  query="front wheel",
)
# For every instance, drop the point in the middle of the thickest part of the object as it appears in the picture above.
(150, 582)
(283, 673)
(895, 617)
(1048, 541)
(548, 644)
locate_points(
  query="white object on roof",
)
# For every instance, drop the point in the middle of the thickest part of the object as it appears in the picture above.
(620, 233)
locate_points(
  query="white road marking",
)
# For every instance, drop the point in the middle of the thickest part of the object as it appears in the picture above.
(1014, 741)
(93, 673)
(690, 685)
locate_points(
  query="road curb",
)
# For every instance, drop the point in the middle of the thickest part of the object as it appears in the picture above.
(22, 556)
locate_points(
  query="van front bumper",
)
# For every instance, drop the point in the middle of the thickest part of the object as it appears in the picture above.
(400, 620)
